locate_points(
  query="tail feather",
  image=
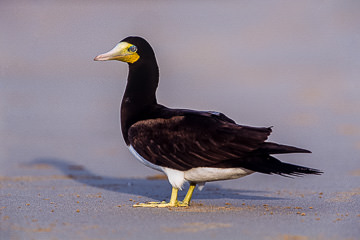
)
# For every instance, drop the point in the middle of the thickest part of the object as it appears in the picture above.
(274, 148)
(286, 169)
(271, 165)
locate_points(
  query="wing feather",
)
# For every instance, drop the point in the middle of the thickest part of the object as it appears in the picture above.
(184, 142)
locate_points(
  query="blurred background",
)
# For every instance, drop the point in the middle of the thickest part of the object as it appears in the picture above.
(294, 65)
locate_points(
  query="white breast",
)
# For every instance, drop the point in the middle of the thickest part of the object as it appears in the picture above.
(144, 161)
(175, 177)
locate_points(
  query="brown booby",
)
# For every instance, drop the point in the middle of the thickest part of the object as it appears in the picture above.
(188, 145)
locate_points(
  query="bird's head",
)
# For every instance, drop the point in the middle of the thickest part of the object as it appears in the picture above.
(129, 50)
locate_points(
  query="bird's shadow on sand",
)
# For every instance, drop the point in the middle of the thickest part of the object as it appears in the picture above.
(156, 189)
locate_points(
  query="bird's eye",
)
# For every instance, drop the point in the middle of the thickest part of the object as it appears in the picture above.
(132, 48)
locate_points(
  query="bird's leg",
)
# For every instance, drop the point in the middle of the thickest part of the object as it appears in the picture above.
(173, 201)
(189, 194)
(173, 198)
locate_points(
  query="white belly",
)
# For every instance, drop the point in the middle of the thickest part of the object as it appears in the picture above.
(175, 177)
(197, 175)
(207, 174)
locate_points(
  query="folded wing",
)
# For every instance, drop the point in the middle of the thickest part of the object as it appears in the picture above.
(195, 140)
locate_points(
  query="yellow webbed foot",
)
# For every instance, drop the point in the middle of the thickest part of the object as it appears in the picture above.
(162, 204)
(173, 200)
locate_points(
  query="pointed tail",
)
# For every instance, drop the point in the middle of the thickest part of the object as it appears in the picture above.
(287, 169)
(274, 148)
(270, 165)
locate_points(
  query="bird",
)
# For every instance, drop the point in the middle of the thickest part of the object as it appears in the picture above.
(188, 146)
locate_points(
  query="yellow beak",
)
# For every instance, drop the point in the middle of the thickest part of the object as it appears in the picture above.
(120, 52)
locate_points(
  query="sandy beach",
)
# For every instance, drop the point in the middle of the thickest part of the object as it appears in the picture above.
(66, 172)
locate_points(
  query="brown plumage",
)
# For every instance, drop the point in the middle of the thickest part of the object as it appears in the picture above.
(178, 141)
(191, 139)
